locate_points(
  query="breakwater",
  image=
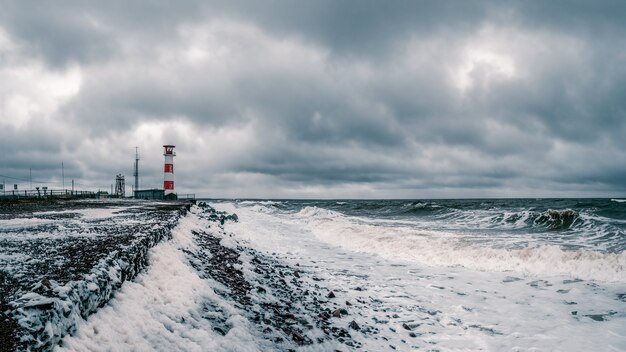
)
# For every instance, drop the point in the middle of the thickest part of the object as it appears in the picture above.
(61, 261)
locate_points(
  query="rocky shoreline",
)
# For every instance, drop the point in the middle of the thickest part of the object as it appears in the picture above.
(284, 303)
(63, 260)
(288, 304)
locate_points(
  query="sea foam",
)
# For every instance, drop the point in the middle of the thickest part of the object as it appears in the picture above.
(446, 248)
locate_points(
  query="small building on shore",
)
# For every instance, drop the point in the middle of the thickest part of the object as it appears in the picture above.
(153, 193)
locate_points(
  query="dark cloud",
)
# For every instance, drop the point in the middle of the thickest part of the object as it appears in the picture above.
(70, 31)
(321, 99)
(368, 27)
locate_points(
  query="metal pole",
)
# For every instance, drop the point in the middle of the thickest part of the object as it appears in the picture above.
(63, 174)
(31, 179)
(136, 173)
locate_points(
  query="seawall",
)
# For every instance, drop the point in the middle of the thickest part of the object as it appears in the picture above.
(60, 262)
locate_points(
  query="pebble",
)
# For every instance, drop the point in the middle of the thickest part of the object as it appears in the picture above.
(354, 325)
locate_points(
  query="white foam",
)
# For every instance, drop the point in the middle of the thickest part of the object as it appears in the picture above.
(21, 223)
(262, 202)
(619, 200)
(450, 249)
(162, 309)
(455, 306)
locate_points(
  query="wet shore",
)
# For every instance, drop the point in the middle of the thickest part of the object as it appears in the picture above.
(287, 303)
(61, 260)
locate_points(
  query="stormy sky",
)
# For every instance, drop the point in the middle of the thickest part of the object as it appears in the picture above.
(318, 99)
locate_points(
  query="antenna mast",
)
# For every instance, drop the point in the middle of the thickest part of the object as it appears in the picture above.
(136, 173)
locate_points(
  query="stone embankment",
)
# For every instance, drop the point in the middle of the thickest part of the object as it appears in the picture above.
(60, 261)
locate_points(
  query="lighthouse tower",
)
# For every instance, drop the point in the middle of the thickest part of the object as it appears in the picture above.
(168, 180)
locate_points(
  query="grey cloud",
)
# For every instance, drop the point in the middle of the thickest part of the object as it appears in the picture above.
(365, 94)
(369, 28)
(68, 31)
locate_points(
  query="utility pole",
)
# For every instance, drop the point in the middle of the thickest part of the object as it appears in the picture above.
(31, 178)
(63, 174)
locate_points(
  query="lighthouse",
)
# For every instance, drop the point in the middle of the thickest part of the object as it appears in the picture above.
(168, 179)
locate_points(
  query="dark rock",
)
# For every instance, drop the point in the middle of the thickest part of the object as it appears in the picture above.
(331, 295)
(299, 339)
(337, 313)
(600, 317)
(289, 316)
(354, 325)
(348, 303)
(406, 326)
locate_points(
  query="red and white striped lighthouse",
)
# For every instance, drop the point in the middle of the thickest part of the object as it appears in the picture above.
(168, 180)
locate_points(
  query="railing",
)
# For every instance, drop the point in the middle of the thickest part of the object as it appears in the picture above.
(64, 194)
(46, 194)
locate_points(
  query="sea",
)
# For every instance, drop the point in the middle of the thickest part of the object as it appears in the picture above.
(471, 274)
(408, 275)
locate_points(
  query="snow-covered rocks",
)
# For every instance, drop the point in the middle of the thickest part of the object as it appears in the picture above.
(71, 261)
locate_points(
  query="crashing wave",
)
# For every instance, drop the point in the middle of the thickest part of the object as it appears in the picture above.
(450, 249)
(557, 219)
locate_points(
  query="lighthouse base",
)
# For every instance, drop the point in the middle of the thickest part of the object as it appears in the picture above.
(171, 196)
